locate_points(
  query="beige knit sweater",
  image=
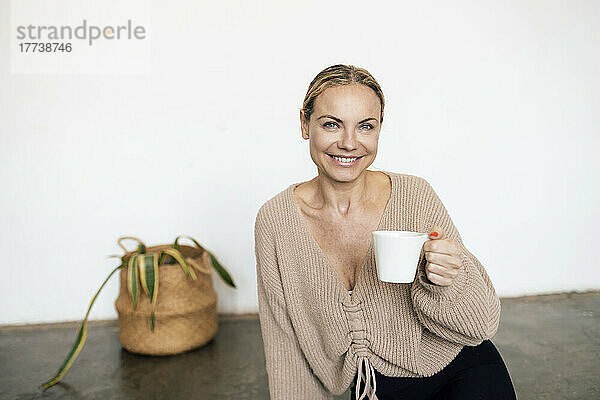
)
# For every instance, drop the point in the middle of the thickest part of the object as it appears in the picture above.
(318, 336)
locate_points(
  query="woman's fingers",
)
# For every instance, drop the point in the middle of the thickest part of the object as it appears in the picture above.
(442, 271)
(441, 253)
(438, 279)
(436, 233)
(446, 260)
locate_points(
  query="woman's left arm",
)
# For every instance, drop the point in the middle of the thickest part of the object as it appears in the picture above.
(468, 310)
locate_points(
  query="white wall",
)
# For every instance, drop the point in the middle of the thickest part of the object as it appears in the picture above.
(494, 102)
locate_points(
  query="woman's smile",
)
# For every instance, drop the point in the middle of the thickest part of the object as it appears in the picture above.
(343, 161)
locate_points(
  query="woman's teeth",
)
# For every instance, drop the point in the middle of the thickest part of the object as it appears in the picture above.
(345, 161)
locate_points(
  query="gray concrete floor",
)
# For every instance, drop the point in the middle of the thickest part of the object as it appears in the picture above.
(550, 343)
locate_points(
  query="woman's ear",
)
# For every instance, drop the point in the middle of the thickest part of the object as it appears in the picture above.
(303, 125)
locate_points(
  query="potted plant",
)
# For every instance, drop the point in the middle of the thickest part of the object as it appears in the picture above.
(186, 316)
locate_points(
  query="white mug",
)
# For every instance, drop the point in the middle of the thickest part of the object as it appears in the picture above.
(397, 254)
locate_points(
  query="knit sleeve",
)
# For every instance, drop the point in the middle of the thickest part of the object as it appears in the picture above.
(289, 374)
(466, 312)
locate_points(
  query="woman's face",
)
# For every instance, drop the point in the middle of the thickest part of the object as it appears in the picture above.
(345, 122)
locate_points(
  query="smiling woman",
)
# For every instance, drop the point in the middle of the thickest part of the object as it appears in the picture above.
(345, 121)
(326, 318)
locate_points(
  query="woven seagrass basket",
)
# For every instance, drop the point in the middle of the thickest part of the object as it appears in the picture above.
(186, 310)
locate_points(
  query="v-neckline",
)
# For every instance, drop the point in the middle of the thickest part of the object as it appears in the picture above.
(315, 244)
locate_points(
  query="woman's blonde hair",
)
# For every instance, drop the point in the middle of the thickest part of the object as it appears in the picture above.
(339, 75)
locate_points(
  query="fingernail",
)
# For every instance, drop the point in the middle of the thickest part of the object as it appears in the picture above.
(434, 234)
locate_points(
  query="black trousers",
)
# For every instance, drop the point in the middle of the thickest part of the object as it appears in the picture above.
(477, 372)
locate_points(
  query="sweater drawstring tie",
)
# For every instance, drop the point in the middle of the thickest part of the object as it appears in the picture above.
(369, 380)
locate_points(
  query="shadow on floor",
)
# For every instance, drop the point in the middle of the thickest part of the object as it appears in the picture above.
(550, 343)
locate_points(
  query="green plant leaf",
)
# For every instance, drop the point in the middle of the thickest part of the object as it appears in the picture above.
(154, 288)
(225, 276)
(148, 270)
(176, 254)
(198, 245)
(79, 340)
(132, 280)
(154, 292)
(221, 270)
(75, 350)
(141, 265)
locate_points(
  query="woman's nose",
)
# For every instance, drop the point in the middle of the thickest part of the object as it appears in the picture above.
(348, 140)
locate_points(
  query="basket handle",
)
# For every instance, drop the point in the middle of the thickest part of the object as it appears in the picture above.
(128, 237)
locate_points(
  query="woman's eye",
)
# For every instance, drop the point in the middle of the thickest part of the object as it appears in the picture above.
(330, 124)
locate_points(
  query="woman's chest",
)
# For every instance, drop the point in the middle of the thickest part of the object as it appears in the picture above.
(345, 245)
